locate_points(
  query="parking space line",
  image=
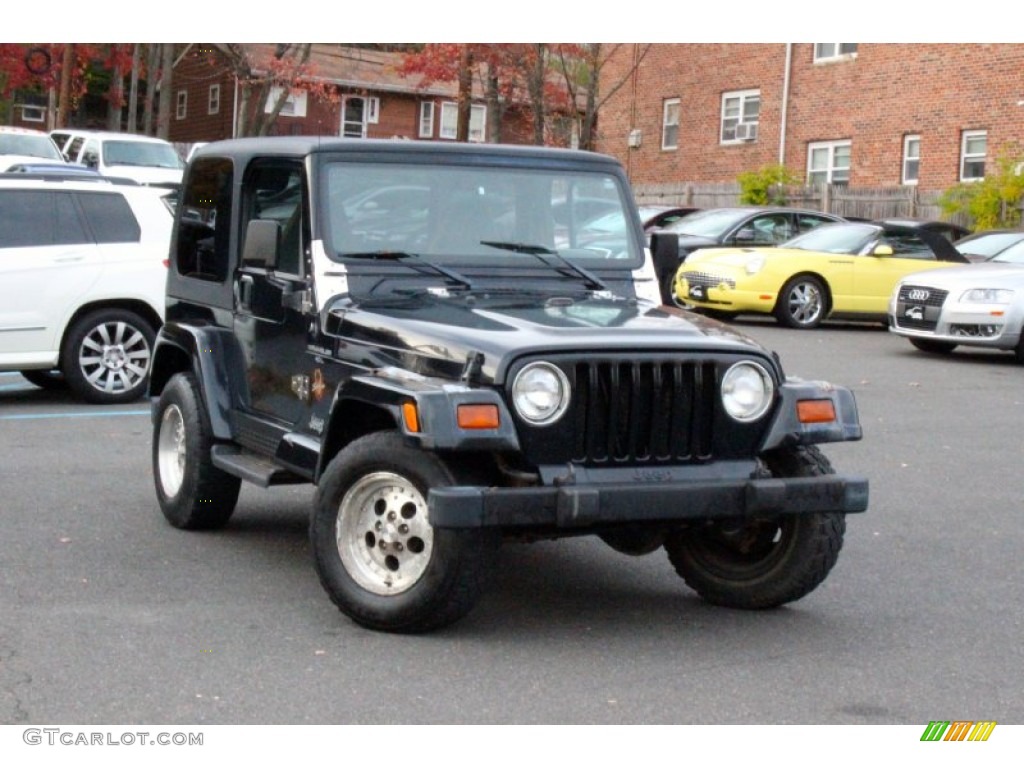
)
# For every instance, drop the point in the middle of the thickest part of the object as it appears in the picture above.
(72, 415)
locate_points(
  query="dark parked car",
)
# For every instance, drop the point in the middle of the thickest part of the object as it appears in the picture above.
(740, 226)
(659, 216)
(984, 245)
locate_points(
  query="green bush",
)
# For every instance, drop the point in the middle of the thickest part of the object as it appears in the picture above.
(992, 202)
(766, 186)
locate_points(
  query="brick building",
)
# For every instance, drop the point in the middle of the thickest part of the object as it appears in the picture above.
(869, 115)
(366, 96)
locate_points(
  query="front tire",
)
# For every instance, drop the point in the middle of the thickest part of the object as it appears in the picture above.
(802, 303)
(378, 557)
(192, 492)
(933, 347)
(762, 563)
(106, 356)
(52, 381)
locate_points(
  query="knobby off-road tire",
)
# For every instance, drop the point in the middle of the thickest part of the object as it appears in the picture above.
(764, 563)
(802, 303)
(193, 493)
(107, 355)
(376, 553)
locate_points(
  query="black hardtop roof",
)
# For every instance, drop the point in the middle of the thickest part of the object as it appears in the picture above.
(302, 146)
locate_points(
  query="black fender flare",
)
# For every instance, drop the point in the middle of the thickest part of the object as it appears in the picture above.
(214, 358)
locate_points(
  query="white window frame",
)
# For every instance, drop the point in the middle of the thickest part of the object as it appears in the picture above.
(449, 128)
(294, 105)
(477, 123)
(832, 168)
(32, 113)
(371, 107)
(834, 53)
(973, 156)
(909, 158)
(181, 105)
(213, 100)
(670, 123)
(727, 127)
(426, 129)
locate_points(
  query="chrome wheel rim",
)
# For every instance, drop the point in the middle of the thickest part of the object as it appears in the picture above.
(170, 451)
(383, 533)
(805, 303)
(114, 357)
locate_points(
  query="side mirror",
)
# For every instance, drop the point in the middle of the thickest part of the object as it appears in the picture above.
(90, 160)
(665, 253)
(882, 250)
(745, 235)
(262, 244)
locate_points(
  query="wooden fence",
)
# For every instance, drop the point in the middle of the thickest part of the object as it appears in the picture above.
(866, 203)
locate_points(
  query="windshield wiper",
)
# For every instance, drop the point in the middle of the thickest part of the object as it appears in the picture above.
(387, 255)
(540, 251)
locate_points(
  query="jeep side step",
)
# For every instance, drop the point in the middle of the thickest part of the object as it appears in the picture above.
(251, 467)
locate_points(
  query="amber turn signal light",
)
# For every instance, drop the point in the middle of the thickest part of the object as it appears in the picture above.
(411, 417)
(478, 416)
(815, 411)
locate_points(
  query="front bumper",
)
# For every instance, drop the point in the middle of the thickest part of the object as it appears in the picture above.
(726, 293)
(575, 507)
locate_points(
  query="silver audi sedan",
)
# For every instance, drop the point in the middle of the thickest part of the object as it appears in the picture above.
(979, 305)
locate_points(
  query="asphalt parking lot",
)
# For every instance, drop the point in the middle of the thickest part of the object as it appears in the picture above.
(108, 615)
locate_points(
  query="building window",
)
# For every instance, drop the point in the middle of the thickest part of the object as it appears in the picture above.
(741, 112)
(294, 105)
(828, 162)
(213, 103)
(477, 122)
(372, 109)
(182, 106)
(450, 121)
(911, 159)
(972, 155)
(31, 114)
(426, 119)
(833, 51)
(670, 124)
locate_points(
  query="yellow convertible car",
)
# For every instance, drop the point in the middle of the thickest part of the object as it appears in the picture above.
(846, 270)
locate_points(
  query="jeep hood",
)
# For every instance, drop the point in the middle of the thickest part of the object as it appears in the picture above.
(436, 336)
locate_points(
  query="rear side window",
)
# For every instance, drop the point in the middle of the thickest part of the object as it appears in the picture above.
(204, 221)
(110, 217)
(37, 218)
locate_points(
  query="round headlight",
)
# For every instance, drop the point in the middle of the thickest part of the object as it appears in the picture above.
(747, 391)
(540, 393)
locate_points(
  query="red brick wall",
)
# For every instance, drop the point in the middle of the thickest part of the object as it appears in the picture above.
(886, 92)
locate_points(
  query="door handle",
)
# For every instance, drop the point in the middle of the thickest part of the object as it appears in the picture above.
(243, 291)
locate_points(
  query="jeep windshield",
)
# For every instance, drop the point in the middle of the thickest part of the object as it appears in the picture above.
(494, 217)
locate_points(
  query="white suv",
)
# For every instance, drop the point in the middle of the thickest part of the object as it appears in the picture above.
(147, 160)
(82, 280)
(23, 145)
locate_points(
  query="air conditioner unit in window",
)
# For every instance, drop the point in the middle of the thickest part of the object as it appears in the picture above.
(746, 131)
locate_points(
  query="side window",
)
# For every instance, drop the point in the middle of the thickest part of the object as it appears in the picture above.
(110, 217)
(26, 218)
(72, 150)
(906, 245)
(69, 229)
(808, 221)
(204, 227)
(274, 192)
(770, 230)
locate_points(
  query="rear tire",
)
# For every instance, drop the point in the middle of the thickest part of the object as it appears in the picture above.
(107, 355)
(192, 492)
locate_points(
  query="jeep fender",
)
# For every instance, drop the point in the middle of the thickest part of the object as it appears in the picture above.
(437, 403)
(787, 429)
(213, 356)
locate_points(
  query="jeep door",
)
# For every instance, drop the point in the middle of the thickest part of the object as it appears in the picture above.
(271, 321)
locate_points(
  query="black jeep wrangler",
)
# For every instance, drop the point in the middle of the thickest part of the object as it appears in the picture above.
(439, 339)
